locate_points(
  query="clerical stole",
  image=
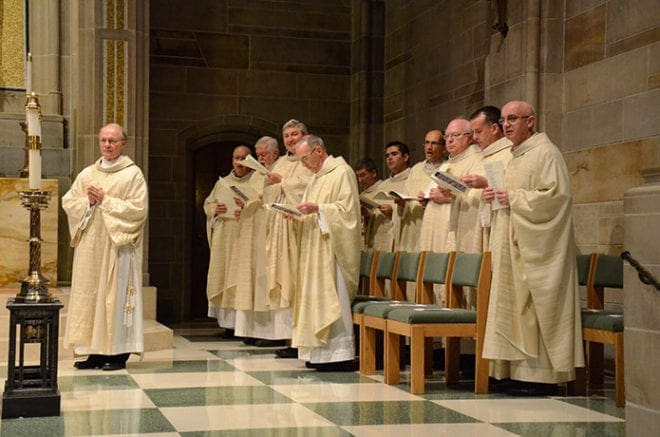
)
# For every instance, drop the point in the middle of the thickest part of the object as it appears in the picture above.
(411, 214)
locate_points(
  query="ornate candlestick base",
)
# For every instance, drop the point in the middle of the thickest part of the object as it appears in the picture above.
(34, 287)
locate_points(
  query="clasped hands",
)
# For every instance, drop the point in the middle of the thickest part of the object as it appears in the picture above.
(94, 195)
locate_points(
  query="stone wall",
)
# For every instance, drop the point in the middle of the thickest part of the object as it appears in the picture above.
(241, 68)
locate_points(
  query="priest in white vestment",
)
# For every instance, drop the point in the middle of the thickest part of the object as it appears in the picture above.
(286, 183)
(533, 331)
(329, 260)
(374, 207)
(450, 222)
(106, 207)
(222, 208)
(410, 213)
(397, 158)
(495, 147)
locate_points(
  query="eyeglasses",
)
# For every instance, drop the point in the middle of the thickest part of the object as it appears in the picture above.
(512, 118)
(110, 141)
(456, 136)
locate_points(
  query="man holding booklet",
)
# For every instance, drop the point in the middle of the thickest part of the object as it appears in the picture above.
(230, 211)
(329, 260)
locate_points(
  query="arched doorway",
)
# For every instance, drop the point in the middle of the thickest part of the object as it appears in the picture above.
(208, 163)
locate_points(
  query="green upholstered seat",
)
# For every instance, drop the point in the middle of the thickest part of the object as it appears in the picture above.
(408, 266)
(435, 269)
(609, 271)
(385, 265)
(466, 269)
(361, 301)
(432, 314)
(583, 264)
(366, 260)
(381, 309)
(604, 320)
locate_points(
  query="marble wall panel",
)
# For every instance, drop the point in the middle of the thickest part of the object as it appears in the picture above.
(167, 78)
(575, 7)
(315, 86)
(267, 83)
(207, 15)
(641, 114)
(211, 81)
(15, 231)
(626, 18)
(611, 79)
(642, 384)
(592, 126)
(224, 51)
(584, 44)
(605, 173)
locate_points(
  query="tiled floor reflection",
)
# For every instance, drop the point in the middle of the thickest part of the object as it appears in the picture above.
(209, 386)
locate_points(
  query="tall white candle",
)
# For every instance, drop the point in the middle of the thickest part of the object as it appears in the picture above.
(28, 74)
(34, 176)
(33, 122)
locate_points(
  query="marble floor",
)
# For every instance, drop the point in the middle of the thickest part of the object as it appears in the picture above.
(207, 386)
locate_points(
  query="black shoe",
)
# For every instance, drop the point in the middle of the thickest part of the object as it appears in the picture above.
(262, 342)
(115, 365)
(227, 334)
(337, 366)
(92, 362)
(521, 388)
(249, 341)
(310, 365)
(287, 352)
(499, 385)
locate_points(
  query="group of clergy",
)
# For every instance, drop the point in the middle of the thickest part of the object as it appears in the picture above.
(284, 259)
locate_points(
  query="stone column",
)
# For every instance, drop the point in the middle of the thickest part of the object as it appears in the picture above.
(110, 79)
(367, 84)
(641, 207)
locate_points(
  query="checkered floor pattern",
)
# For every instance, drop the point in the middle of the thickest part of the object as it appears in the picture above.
(207, 386)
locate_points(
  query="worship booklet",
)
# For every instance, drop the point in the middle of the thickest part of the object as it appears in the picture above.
(283, 208)
(225, 196)
(252, 163)
(245, 193)
(495, 176)
(449, 182)
(369, 202)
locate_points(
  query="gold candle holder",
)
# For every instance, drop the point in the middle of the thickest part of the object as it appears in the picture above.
(34, 287)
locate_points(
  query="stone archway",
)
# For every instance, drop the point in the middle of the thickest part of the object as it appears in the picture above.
(180, 260)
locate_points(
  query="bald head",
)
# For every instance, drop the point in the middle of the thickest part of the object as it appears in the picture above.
(519, 120)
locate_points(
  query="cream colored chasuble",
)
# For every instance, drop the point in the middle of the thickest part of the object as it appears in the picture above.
(105, 311)
(534, 322)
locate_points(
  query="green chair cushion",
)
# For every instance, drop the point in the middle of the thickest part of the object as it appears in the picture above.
(408, 266)
(604, 320)
(609, 271)
(583, 262)
(432, 314)
(366, 259)
(381, 309)
(435, 269)
(385, 265)
(466, 269)
(361, 301)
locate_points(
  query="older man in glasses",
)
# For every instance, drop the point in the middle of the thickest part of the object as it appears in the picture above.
(533, 332)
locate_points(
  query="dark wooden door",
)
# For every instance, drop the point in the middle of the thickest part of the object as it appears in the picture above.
(209, 163)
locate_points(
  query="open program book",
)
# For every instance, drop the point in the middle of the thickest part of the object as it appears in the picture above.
(449, 182)
(285, 209)
(252, 163)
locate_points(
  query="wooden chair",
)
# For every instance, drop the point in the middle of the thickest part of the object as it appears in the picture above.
(368, 263)
(409, 269)
(600, 326)
(384, 267)
(422, 322)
